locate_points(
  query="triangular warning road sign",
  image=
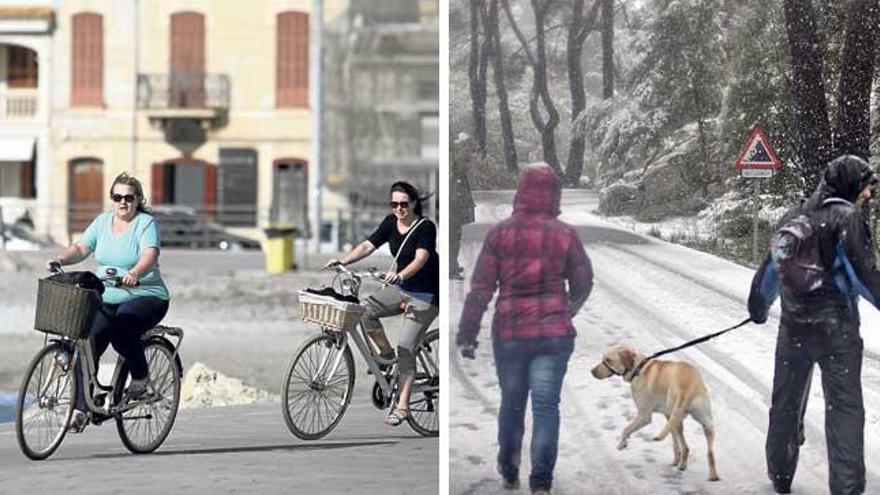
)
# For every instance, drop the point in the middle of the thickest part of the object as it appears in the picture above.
(758, 152)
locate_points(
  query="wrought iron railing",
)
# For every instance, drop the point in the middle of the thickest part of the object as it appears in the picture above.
(181, 90)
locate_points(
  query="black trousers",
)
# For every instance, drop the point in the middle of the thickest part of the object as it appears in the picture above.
(123, 325)
(836, 346)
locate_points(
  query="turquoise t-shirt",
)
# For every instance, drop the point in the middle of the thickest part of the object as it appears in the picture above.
(122, 253)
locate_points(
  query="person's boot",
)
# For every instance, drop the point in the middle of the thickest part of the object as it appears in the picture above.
(781, 483)
(508, 482)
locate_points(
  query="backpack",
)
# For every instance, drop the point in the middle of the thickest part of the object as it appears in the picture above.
(795, 250)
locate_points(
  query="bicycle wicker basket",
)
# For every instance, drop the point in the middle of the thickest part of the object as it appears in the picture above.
(328, 312)
(64, 309)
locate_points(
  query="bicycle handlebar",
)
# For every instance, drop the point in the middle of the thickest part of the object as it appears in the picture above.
(371, 272)
(111, 276)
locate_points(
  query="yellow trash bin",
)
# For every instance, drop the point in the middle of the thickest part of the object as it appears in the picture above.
(279, 249)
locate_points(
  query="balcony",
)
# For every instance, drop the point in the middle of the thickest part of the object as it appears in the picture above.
(18, 104)
(184, 96)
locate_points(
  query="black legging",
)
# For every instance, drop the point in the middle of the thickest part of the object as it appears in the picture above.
(123, 325)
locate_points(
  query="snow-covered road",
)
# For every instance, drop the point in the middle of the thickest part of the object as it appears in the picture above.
(652, 295)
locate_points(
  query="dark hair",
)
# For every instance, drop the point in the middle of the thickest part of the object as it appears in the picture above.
(412, 192)
(127, 180)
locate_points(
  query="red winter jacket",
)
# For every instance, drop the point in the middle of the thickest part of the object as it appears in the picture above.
(528, 258)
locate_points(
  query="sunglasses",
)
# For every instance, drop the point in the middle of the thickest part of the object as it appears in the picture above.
(399, 204)
(117, 198)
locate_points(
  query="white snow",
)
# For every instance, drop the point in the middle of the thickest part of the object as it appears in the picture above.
(651, 295)
(704, 225)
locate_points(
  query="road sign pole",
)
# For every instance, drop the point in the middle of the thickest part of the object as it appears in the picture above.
(755, 207)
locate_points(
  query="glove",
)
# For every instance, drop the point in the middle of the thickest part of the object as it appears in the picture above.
(467, 346)
(758, 311)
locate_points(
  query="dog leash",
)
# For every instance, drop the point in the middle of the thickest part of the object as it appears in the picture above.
(700, 340)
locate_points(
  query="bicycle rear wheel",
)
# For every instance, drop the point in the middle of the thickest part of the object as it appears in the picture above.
(424, 402)
(317, 386)
(45, 402)
(142, 429)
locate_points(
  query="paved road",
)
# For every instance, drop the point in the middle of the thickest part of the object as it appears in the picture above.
(241, 449)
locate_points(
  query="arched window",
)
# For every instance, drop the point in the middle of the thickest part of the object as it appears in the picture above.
(86, 192)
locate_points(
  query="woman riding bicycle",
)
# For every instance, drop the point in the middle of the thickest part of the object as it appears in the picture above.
(413, 288)
(125, 241)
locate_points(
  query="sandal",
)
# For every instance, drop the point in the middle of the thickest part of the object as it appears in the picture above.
(396, 416)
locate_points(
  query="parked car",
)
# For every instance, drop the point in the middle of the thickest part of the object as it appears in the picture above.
(183, 226)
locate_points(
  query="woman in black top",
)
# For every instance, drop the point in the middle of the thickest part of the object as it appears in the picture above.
(413, 288)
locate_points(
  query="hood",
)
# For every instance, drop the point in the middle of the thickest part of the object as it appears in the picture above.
(844, 177)
(538, 192)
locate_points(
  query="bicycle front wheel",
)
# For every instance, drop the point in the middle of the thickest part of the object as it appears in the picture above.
(317, 386)
(142, 429)
(424, 401)
(45, 402)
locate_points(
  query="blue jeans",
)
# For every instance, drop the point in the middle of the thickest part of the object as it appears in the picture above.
(538, 366)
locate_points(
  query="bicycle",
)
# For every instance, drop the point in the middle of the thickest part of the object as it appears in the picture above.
(46, 398)
(319, 379)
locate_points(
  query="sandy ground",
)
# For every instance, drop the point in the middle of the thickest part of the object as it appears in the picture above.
(238, 320)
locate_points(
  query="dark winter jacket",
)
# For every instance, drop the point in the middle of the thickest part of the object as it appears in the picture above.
(462, 202)
(846, 251)
(529, 258)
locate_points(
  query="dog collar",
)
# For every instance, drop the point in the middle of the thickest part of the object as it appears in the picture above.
(612, 370)
(633, 373)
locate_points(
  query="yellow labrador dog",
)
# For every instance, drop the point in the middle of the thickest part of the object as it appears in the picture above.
(672, 388)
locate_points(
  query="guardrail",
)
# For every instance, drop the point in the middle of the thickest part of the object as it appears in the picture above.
(180, 90)
(18, 104)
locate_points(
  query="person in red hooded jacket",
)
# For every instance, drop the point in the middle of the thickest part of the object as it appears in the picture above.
(543, 276)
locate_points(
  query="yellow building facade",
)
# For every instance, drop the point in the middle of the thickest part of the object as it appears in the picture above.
(203, 100)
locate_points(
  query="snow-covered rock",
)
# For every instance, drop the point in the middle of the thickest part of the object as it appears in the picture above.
(204, 387)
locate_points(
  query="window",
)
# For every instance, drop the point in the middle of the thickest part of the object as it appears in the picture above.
(187, 60)
(87, 60)
(428, 90)
(17, 180)
(430, 138)
(86, 194)
(22, 67)
(292, 60)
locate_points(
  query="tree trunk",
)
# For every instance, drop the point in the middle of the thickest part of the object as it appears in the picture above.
(540, 94)
(477, 75)
(607, 49)
(813, 135)
(578, 29)
(494, 35)
(854, 101)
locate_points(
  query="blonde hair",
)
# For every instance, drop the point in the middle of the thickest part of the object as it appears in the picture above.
(128, 180)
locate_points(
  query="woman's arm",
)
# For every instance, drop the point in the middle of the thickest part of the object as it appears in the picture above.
(358, 253)
(412, 268)
(71, 255)
(145, 263)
